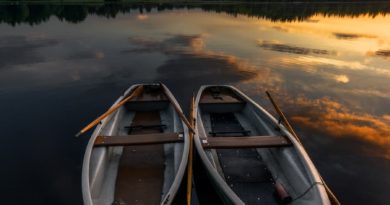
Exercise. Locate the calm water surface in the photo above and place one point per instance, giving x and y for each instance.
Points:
(61, 66)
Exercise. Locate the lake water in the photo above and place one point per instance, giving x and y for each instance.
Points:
(327, 65)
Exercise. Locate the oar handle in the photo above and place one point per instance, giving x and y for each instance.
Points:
(111, 110)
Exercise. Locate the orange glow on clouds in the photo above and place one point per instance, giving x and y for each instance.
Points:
(142, 17)
(338, 121)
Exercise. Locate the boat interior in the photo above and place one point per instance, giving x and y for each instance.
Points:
(248, 151)
(138, 152)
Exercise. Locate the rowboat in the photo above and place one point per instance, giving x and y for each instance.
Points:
(137, 154)
(249, 157)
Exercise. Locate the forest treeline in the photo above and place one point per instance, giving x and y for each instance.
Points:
(33, 14)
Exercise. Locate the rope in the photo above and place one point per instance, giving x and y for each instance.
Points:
(307, 190)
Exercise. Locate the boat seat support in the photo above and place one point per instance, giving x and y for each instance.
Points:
(245, 142)
(142, 139)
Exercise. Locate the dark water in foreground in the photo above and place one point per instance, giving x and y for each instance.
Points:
(327, 65)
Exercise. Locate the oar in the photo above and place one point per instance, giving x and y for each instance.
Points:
(283, 118)
(135, 93)
(192, 131)
(331, 195)
(190, 155)
(177, 109)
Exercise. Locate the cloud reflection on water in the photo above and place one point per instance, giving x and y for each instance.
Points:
(381, 53)
(280, 47)
(334, 92)
(192, 62)
(333, 119)
(19, 49)
(350, 36)
(339, 64)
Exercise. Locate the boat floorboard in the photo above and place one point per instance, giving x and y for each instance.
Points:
(141, 168)
(248, 176)
(225, 123)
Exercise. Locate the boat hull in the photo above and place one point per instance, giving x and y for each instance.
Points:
(103, 166)
(299, 174)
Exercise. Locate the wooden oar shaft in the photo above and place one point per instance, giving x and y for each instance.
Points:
(284, 119)
(190, 155)
(111, 110)
(177, 109)
(332, 198)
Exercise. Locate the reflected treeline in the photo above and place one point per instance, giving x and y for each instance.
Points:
(36, 13)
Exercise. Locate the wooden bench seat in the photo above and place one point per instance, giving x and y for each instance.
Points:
(221, 96)
(245, 142)
(150, 97)
(141, 139)
(225, 99)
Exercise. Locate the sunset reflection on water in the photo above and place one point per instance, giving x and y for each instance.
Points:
(327, 67)
(330, 74)
(342, 55)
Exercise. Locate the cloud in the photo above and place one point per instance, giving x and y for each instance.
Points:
(279, 28)
(280, 47)
(75, 75)
(324, 119)
(191, 47)
(340, 64)
(334, 119)
(142, 17)
(83, 55)
(365, 92)
(190, 64)
(354, 65)
(99, 55)
(381, 53)
(386, 117)
(351, 36)
(177, 44)
(19, 50)
(341, 78)
(201, 64)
